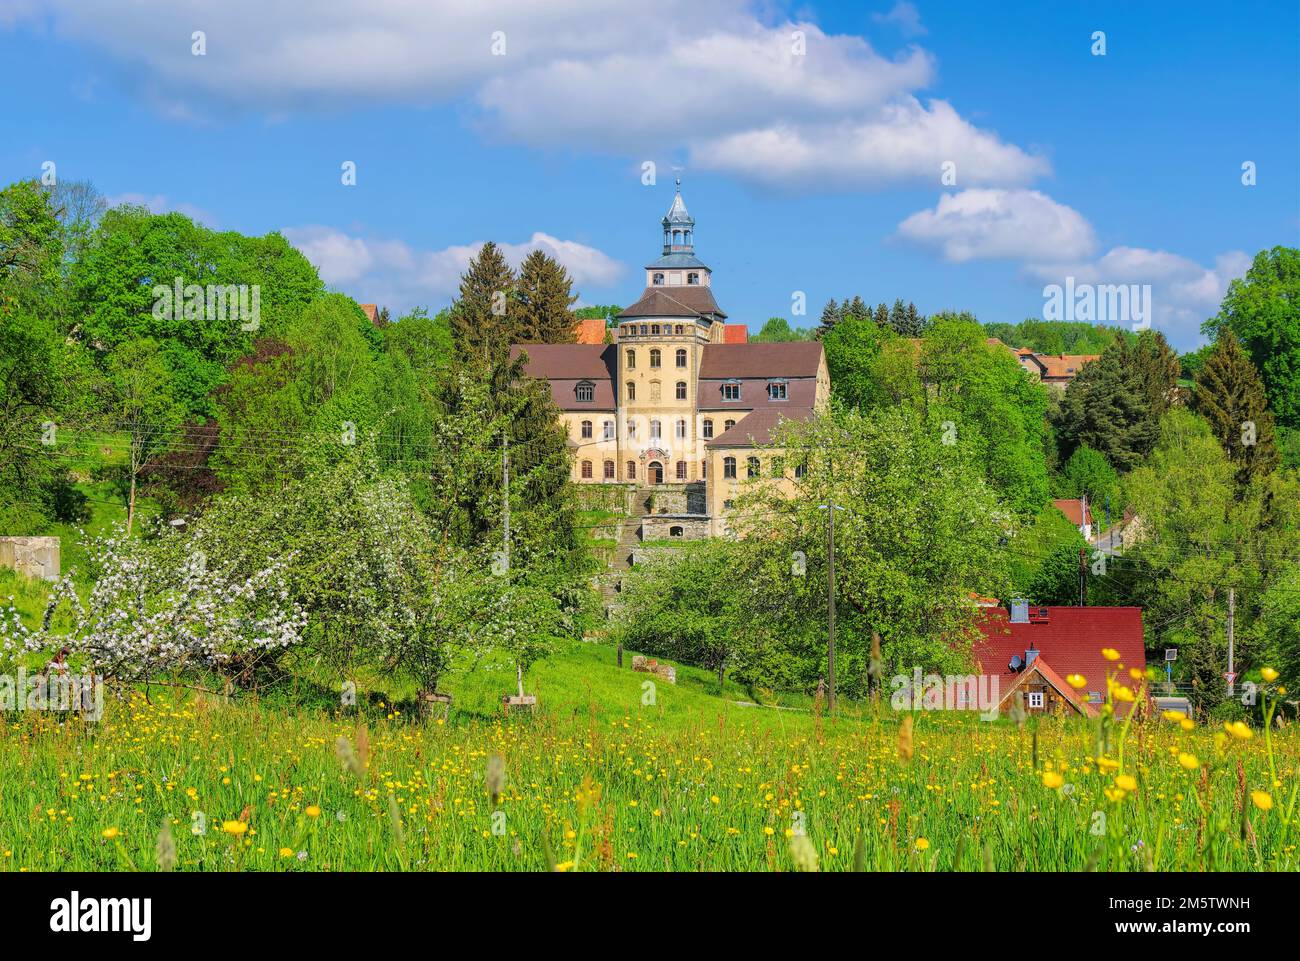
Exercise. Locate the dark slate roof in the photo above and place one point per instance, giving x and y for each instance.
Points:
(567, 365)
(678, 260)
(756, 428)
(690, 301)
(799, 392)
(721, 361)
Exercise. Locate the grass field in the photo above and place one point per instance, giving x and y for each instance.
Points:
(611, 775)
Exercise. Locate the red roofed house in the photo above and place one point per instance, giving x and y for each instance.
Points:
(1055, 370)
(1034, 649)
(735, 333)
(1077, 512)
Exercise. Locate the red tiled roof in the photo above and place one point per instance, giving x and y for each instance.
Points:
(590, 331)
(1064, 365)
(371, 311)
(1074, 511)
(735, 334)
(1044, 670)
(1068, 641)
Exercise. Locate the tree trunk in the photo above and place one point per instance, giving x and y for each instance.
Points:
(130, 507)
(519, 674)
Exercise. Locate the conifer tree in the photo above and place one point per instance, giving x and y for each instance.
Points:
(1230, 395)
(830, 317)
(482, 317)
(882, 316)
(546, 298)
(1155, 366)
(1106, 409)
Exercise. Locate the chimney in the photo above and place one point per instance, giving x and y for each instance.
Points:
(1019, 610)
(1031, 655)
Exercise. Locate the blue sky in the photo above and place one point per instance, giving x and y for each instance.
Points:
(815, 170)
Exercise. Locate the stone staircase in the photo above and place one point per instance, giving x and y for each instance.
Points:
(629, 539)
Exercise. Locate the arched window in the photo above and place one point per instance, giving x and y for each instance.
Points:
(586, 429)
(728, 424)
(678, 329)
(654, 429)
(609, 430)
(708, 429)
(654, 330)
(645, 329)
(658, 280)
(586, 470)
(655, 356)
(631, 430)
(630, 354)
(674, 532)
(681, 355)
(729, 467)
(753, 467)
(681, 430)
(681, 470)
(681, 390)
(631, 390)
(631, 470)
(692, 278)
(800, 471)
(586, 392)
(609, 470)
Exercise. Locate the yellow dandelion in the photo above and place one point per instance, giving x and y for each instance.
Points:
(1269, 674)
(1239, 729)
(286, 852)
(922, 844)
(1188, 761)
(1126, 781)
(110, 833)
(1076, 681)
(1052, 780)
(234, 827)
(1187, 724)
(1174, 715)
(313, 811)
(1262, 800)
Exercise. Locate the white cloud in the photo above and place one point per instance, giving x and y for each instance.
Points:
(1184, 293)
(1001, 225)
(741, 96)
(902, 141)
(386, 271)
(160, 204)
(905, 16)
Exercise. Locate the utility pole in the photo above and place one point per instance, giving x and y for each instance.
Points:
(1083, 575)
(1232, 612)
(505, 533)
(830, 607)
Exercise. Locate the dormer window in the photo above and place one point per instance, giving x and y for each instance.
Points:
(658, 280)
(586, 392)
(776, 390)
(731, 390)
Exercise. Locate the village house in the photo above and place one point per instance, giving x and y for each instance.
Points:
(1054, 370)
(680, 402)
(1034, 649)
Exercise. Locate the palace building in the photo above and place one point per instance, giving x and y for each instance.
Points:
(674, 402)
